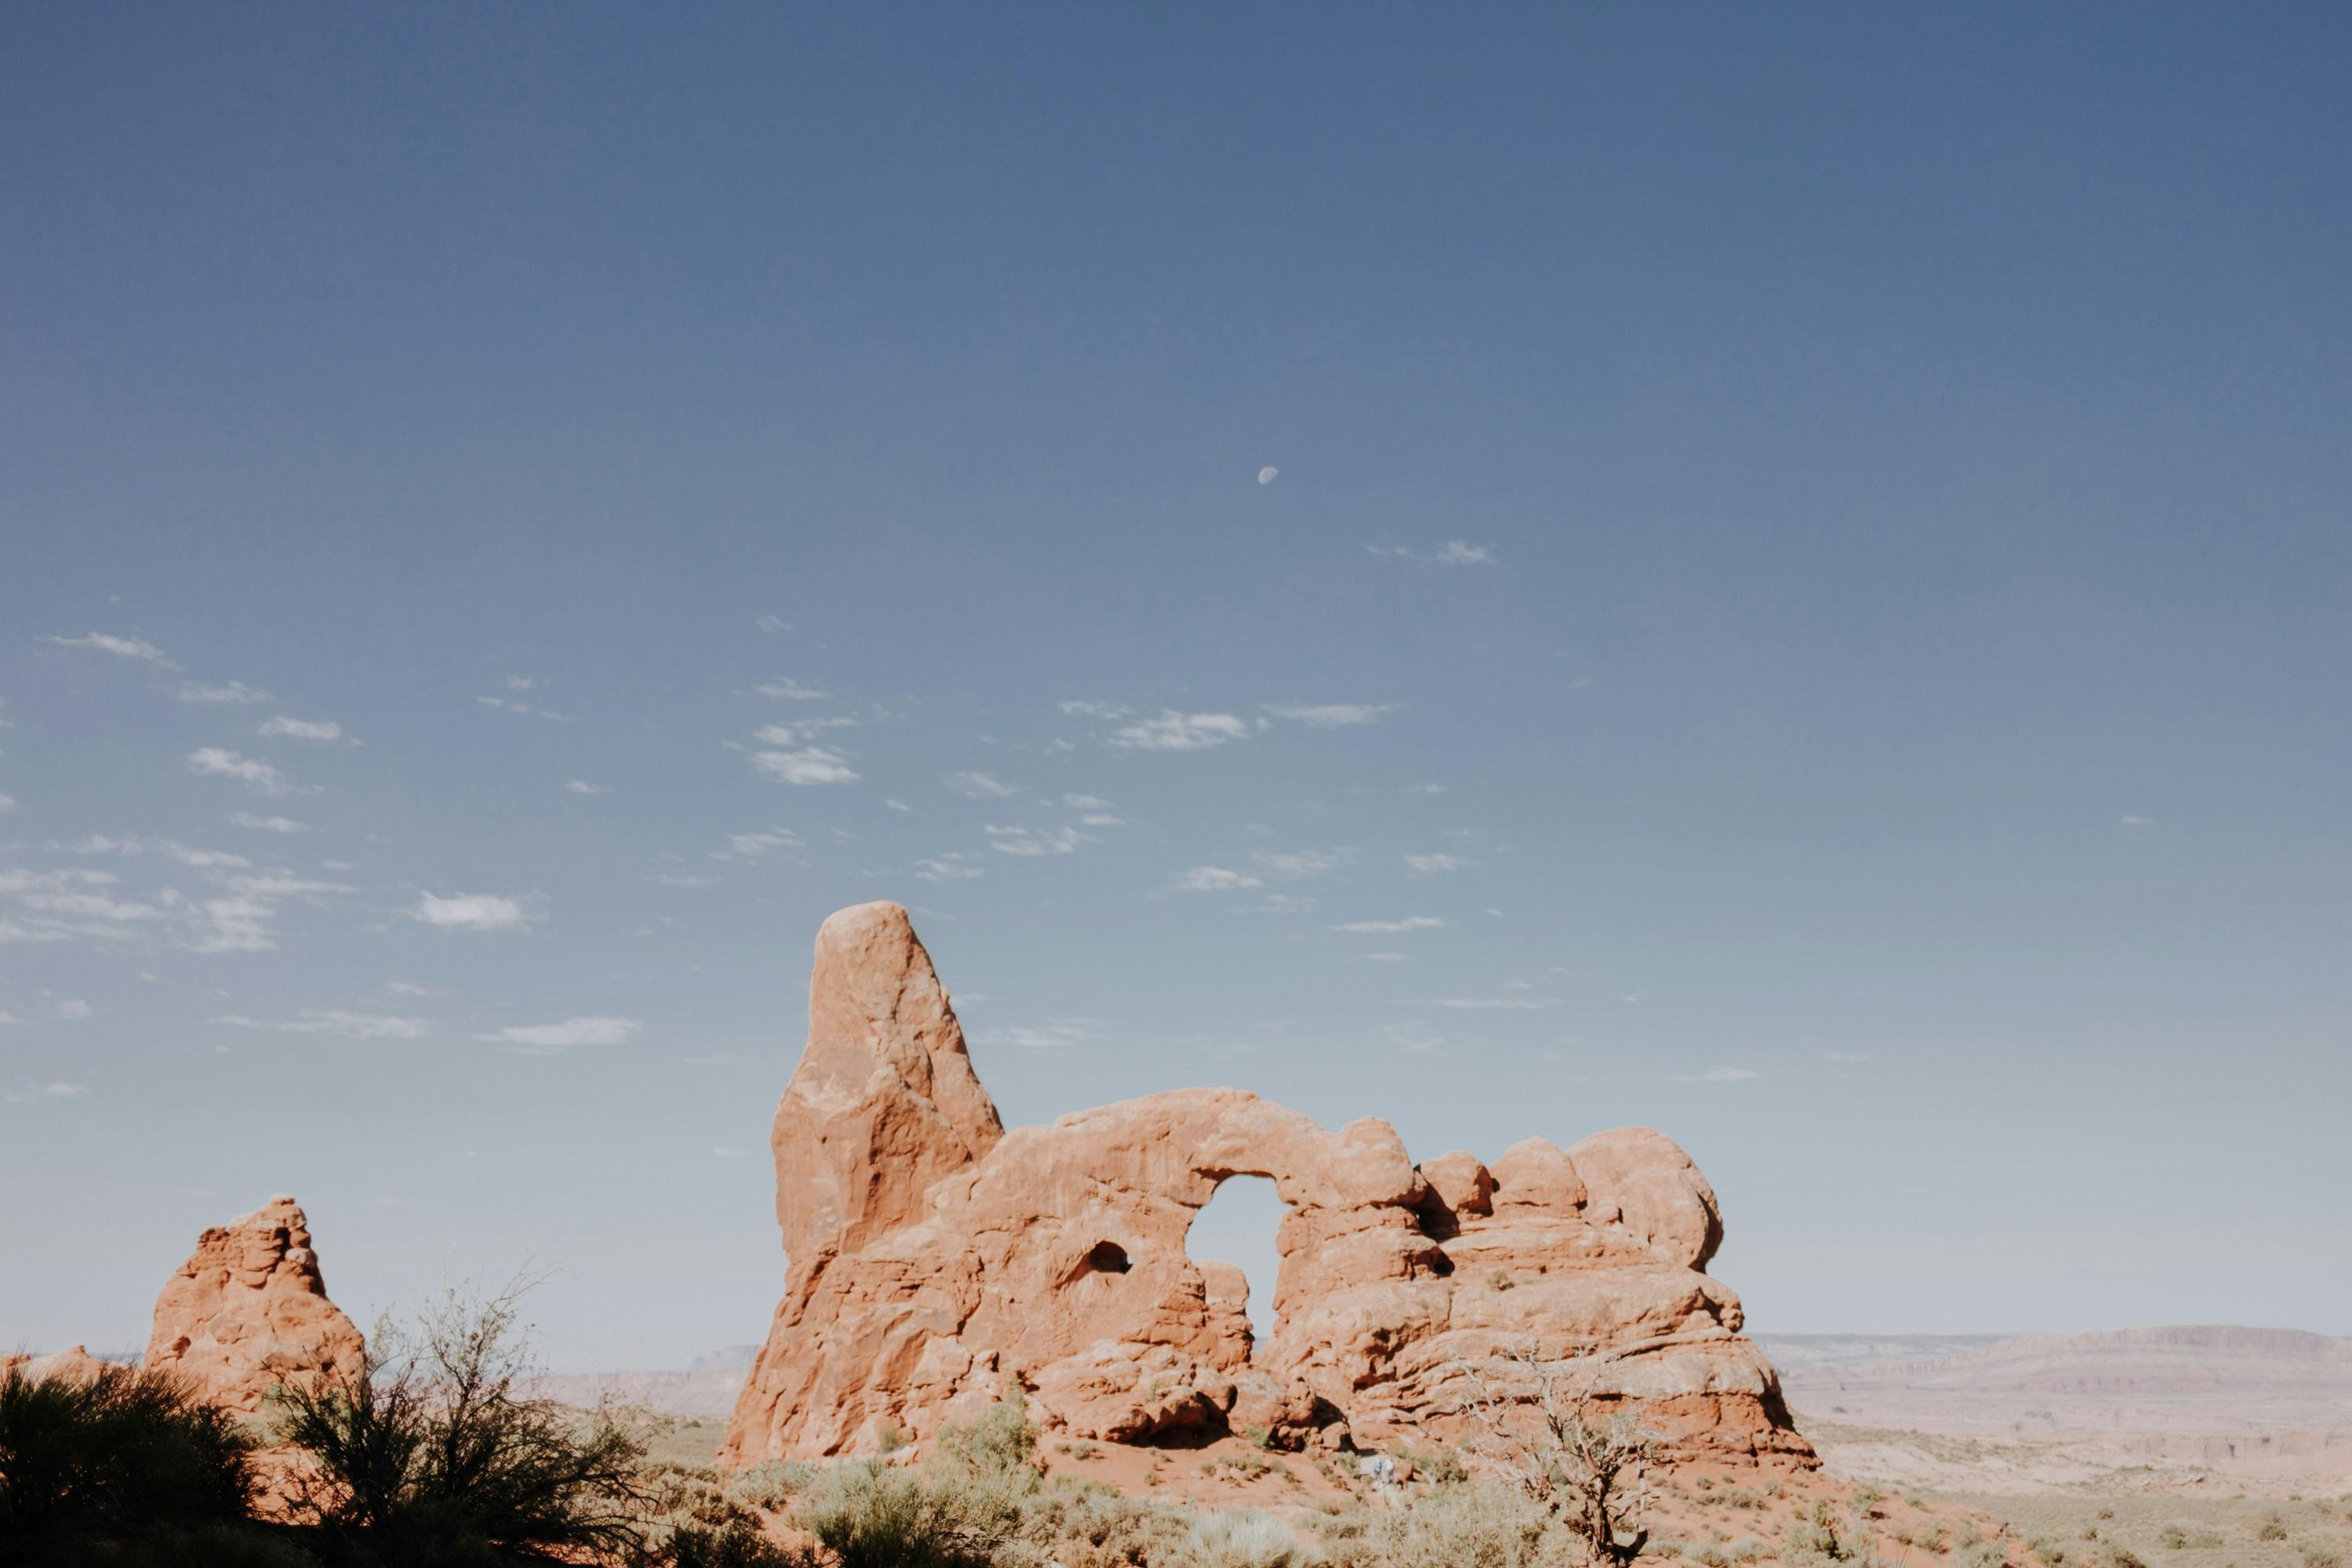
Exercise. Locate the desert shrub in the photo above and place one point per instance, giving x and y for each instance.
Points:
(2322, 1557)
(1821, 1537)
(2123, 1557)
(1092, 1526)
(1244, 1537)
(435, 1457)
(772, 1486)
(125, 1460)
(1440, 1466)
(1549, 1433)
(954, 1511)
(693, 1518)
(997, 1447)
(1458, 1526)
(2272, 1529)
(876, 1516)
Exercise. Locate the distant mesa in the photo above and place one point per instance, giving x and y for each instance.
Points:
(937, 1262)
(249, 1311)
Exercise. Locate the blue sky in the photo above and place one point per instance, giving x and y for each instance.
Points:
(1783, 576)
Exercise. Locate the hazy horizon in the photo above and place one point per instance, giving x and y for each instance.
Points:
(1781, 576)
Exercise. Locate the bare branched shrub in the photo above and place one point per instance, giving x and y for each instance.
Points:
(434, 1455)
(1547, 1436)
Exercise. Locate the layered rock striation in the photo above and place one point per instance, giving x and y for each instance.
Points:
(249, 1311)
(935, 1262)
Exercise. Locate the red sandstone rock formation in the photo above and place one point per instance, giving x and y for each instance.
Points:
(934, 1261)
(247, 1311)
(74, 1363)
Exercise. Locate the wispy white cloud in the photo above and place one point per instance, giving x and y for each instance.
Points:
(581, 786)
(1453, 553)
(1845, 1057)
(1334, 715)
(1080, 709)
(65, 1090)
(1302, 863)
(1286, 904)
(304, 729)
(1175, 731)
(1214, 879)
(757, 845)
(2135, 822)
(1715, 1075)
(71, 1010)
(339, 1022)
(251, 772)
(980, 786)
(808, 765)
(1415, 1039)
(187, 854)
(681, 879)
(224, 692)
(1430, 865)
(785, 686)
(1388, 928)
(471, 911)
(70, 905)
(1385, 957)
(1054, 1034)
(509, 705)
(7, 803)
(240, 921)
(124, 647)
(270, 823)
(1493, 1004)
(539, 1039)
(772, 624)
(1029, 841)
(955, 865)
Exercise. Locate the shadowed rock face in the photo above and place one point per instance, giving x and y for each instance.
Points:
(249, 1311)
(934, 1261)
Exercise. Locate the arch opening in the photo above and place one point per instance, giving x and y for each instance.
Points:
(1238, 1226)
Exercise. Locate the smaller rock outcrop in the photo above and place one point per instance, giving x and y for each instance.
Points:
(249, 1311)
(74, 1363)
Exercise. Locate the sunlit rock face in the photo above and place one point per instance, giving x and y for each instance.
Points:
(935, 1262)
(249, 1311)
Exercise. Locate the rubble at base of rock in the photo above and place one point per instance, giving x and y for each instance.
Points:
(937, 1262)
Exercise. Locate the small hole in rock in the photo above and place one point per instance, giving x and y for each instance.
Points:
(1108, 1258)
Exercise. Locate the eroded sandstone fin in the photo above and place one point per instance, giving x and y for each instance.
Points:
(249, 1310)
(885, 1100)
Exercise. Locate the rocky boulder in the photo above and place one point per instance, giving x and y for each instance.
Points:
(249, 1311)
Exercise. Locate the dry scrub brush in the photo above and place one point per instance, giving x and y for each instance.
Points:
(433, 1455)
(1546, 1437)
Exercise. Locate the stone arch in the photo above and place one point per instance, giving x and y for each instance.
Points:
(1239, 1228)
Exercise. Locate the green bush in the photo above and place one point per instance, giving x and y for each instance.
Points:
(130, 1462)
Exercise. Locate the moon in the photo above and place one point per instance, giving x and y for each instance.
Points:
(1266, 476)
